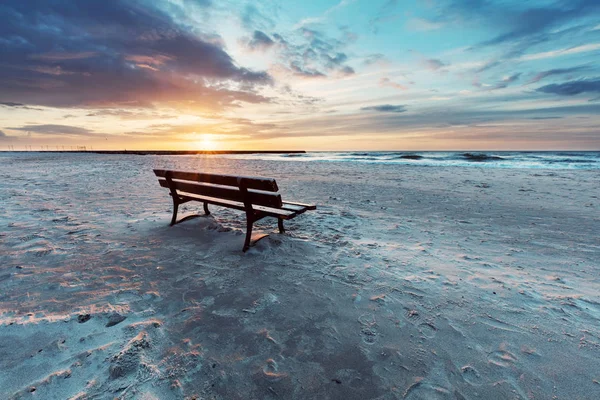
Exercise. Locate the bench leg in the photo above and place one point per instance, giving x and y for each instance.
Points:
(249, 223)
(280, 225)
(175, 208)
(206, 209)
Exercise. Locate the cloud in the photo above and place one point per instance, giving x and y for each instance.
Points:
(120, 52)
(562, 52)
(64, 56)
(346, 71)
(434, 64)
(386, 13)
(252, 18)
(17, 105)
(323, 17)
(518, 26)
(227, 126)
(507, 80)
(572, 88)
(423, 25)
(376, 58)
(260, 41)
(557, 71)
(127, 114)
(386, 82)
(488, 65)
(313, 54)
(447, 118)
(386, 108)
(305, 73)
(52, 129)
(503, 83)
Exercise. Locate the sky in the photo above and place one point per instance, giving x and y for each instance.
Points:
(305, 75)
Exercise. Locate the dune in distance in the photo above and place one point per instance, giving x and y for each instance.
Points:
(421, 275)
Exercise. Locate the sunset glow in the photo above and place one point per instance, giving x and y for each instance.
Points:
(207, 143)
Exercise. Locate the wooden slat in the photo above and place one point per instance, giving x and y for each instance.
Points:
(273, 212)
(306, 206)
(292, 207)
(267, 199)
(276, 212)
(213, 200)
(266, 184)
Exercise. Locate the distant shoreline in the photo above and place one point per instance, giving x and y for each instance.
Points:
(164, 152)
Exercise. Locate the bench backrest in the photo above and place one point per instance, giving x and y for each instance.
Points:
(258, 191)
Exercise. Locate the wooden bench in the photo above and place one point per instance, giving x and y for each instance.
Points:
(258, 197)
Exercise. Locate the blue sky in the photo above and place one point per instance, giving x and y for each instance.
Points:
(315, 75)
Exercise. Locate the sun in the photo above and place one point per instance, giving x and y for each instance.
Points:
(207, 142)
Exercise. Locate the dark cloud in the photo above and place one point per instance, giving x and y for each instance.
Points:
(17, 105)
(434, 64)
(11, 104)
(521, 24)
(313, 54)
(127, 114)
(298, 70)
(97, 53)
(558, 71)
(386, 108)
(346, 71)
(260, 41)
(504, 83)
(51, 129)
(507, 81)
(335, 60)
(512, 78)
(572, 88)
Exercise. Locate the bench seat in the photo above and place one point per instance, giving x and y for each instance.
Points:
(256, 196)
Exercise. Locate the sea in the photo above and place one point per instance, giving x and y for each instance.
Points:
(584, 160)
(499, 159)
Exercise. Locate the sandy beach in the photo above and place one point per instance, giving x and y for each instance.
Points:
(407, 282)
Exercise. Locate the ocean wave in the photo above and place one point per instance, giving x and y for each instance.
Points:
(570, 161)
(496, 159)
(410, 157)
(480, 157)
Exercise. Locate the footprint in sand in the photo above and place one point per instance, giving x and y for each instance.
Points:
(427, 329)
(369, 328)
(28, 238)
(42, 253)
(413, 316)
(369, 335)
(502, 358)
(424, 390)
(470, 375)
(270, 371)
